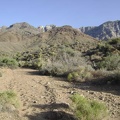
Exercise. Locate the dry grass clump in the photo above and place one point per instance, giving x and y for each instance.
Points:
(8, 98)
(85, 109)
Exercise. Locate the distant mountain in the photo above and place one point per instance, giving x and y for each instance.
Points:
(107, 30)
(17, 32)
(21, 31)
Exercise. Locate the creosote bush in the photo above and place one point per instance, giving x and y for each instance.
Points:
(85, 109)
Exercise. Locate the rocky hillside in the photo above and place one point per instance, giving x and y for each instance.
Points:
(17, 32)
(18, 36)
(107, 30)
(21, 31)
(23, 36)
(65, 35)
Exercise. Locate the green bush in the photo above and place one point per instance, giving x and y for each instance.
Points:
(52, 60)
(72, 76)
(88, 109)
(8, 62)
(9, 97)
(111, 62)
(114, 41)
(105, 47)
(82, 74)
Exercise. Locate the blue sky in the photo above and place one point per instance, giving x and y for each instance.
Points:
(77, 13)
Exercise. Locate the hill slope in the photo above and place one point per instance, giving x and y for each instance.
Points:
(18, 32)
(59, 50)
(65, 35)
(16, 37)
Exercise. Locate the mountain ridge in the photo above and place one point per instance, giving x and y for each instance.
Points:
(107, 30)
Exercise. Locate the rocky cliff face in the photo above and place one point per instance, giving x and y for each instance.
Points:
(107, 30)
(46, 28)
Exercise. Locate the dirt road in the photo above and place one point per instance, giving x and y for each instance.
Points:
(41, 94)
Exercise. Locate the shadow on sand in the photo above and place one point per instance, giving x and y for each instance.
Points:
(113, 89)
(51, 114)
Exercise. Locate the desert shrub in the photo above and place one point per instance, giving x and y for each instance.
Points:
(105, 56)
(8, 62)
(88, 109)
(105, 48)
(81, 74)
(9, 97)
(111, 62)
(30, 59)
(72, 76)
(61, 64)
(114, 41)
(21, 63)
(54, 69)
(70, 51)
(99, 73)
(52, 60)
